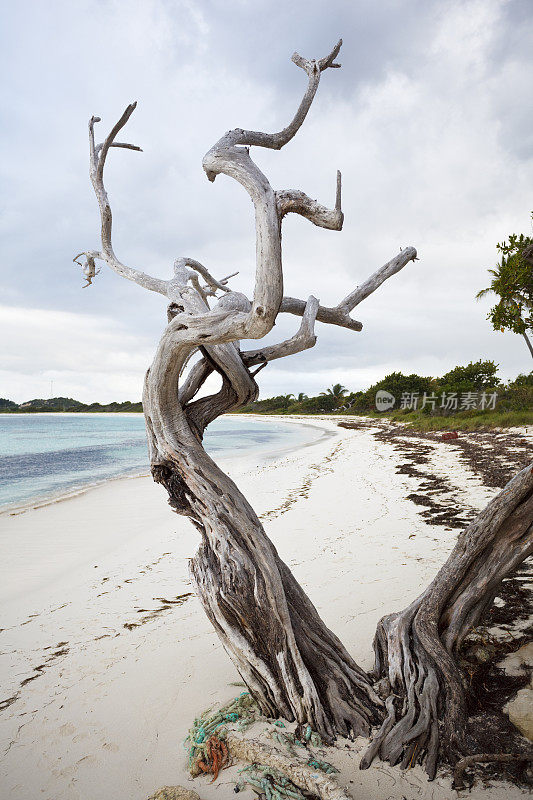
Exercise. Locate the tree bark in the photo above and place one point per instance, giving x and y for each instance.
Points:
(416, 649)
(293, 665)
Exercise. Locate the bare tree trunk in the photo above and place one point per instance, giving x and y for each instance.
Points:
(293, 665)
(415, 649)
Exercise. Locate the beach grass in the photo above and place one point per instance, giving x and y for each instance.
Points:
(464, 421)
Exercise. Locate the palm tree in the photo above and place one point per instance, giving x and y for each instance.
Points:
(301, 397)
(337, 391)
(512, 283)
(284, 400)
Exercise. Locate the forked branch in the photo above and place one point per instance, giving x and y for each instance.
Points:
(340, 314)
(296, 202)
(98, 155)
(302, 340)
(278, 140)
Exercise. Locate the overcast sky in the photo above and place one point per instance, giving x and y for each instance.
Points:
(429, 120)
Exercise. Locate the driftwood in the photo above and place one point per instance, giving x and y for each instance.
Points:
(484, 758)
(311, 780)
(293, 665)
(416, 649)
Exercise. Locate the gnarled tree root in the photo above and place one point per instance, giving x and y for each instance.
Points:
(484, 758)
(416, 649)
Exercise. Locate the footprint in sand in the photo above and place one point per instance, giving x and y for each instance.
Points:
(67, 729)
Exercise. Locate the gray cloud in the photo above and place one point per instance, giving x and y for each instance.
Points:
(427, 119)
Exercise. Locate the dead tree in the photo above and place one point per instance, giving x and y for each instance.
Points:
(293, 665)
(416, 649)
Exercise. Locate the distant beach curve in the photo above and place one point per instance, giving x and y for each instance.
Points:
(47, 456)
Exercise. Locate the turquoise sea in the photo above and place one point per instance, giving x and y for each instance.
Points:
(47, 455)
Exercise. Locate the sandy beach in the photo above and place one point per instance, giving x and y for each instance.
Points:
(107, 656)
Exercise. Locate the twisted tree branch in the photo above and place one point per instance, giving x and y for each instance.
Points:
(98, 155)
(340, 314)
(297, 202)
(276, 141)
(302, 340)
(228, 156)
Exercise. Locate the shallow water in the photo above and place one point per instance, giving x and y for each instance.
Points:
(46, 455)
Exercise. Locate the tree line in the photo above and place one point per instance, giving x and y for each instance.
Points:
(463, 389)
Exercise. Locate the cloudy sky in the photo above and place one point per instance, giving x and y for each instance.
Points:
(429, 120)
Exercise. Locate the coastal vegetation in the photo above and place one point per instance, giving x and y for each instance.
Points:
(513, 404)
(465, 397)
(512, 283)
(65, 404)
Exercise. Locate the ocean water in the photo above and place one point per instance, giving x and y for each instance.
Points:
(47, 455)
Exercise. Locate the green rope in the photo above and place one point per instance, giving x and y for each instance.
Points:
(323, 766)
(242, 710)
(272, 782)
(290, 742)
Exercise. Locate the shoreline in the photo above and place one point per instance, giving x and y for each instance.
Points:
(72, 413)
(42, 501)
(114, 664)
(67, 493)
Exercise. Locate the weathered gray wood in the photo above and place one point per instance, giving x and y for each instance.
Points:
(303, 339)
(340, 314)
(305, 777)
(415, 649)
(332, 316)
(380, 276)
(292, 663)
(293, 201)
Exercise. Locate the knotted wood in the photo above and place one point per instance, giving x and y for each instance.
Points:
(292, 663)
(416, 649)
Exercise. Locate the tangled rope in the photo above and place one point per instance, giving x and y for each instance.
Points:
(206, 740)
(211, 742)
(304, 737)
(273, 783)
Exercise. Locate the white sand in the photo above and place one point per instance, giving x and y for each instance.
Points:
(108, 707)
